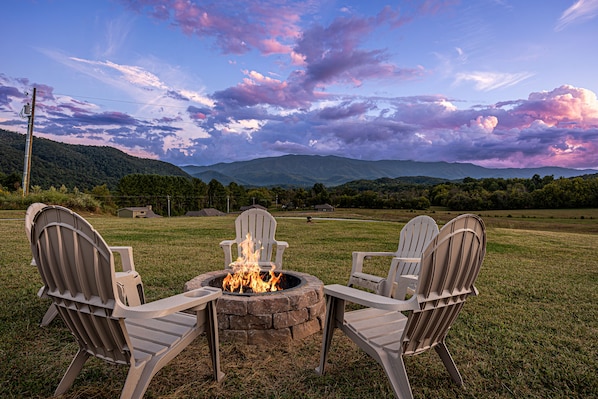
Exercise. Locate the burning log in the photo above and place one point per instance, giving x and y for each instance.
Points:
(247, 274)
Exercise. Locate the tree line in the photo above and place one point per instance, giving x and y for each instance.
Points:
(176, 195)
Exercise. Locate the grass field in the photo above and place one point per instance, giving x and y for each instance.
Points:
(532, 332)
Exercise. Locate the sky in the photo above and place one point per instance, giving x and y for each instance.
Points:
(496, 83)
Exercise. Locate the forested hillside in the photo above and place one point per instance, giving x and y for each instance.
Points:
(56, 164)
(107, 178)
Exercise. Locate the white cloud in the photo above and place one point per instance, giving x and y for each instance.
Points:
(197, 97)
(486, 81)
(116, 34)
(484, 124)
(240, 127)
(133, 74)
(582, 10)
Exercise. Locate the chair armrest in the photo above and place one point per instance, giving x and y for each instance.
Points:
(408, 260)
(402, 287)
(281, 244)
(162, 307)
(359, 257)
(368, 299)
(226, 246)
(126, 257)
(369, 277)
(368, 281)
(130, 288)
(280, 247)
(396, 262)
(227, 243)
(365, 280)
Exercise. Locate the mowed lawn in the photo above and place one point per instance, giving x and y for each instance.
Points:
(531, 333)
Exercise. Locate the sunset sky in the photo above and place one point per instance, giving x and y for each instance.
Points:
(497, 83)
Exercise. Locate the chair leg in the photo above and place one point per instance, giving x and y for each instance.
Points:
(450, 365)
(213, 341)
(138, 379)
(51, 313)
(329, 325)
(397, 375)
(72, 372)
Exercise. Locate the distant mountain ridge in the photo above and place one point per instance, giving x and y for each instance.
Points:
(85, 167)
(81, 166)
(306, 170)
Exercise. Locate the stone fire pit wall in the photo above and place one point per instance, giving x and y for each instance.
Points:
(270, 318)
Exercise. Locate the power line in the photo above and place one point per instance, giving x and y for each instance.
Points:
(120, 101)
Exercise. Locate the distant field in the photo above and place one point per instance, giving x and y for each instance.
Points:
(573, 220)
(531, 333)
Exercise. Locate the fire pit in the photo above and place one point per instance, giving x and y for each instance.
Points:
(264, 306)
(284, 281)
(292, 312)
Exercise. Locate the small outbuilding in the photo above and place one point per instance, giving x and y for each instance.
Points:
(324, 208)
(206, 212)
(137, 212)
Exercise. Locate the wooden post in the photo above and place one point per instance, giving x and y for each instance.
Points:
(28, 148)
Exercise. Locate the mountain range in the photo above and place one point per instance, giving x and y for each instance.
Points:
(54, 164)
(81, 166)
(306, 170)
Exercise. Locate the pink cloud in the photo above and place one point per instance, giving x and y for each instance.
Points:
(557, 127)
(332, 54)
(563, 104)
(235, 32)
(257, 89)
(272, 46)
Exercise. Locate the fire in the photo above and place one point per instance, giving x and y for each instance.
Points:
(247, 276)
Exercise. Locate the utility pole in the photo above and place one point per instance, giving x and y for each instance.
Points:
(30, 113)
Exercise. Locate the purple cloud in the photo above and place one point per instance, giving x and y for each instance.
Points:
(346, 110)
(257, 27)
(331, 54)
(324, 55)
(258, 89)
(7, 92)
(560, 125)
(104, 118)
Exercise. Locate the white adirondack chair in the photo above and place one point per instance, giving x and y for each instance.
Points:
(77, 269)
(261, 225)
(404, 265)
(449, 267)
(128, 280)
(32, 210)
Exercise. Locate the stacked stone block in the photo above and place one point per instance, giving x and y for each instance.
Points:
(276, 317)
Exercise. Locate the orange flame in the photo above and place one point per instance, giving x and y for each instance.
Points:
(246, 271)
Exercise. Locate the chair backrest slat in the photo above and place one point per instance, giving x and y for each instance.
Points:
(414, 237)
(449, 267)
(262, 227)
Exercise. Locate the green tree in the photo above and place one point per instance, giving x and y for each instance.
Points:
(217, 195)
(319, 195)
(199, 198)
(261, 196)
(166, 194)
(102, 194)
(238, 196)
